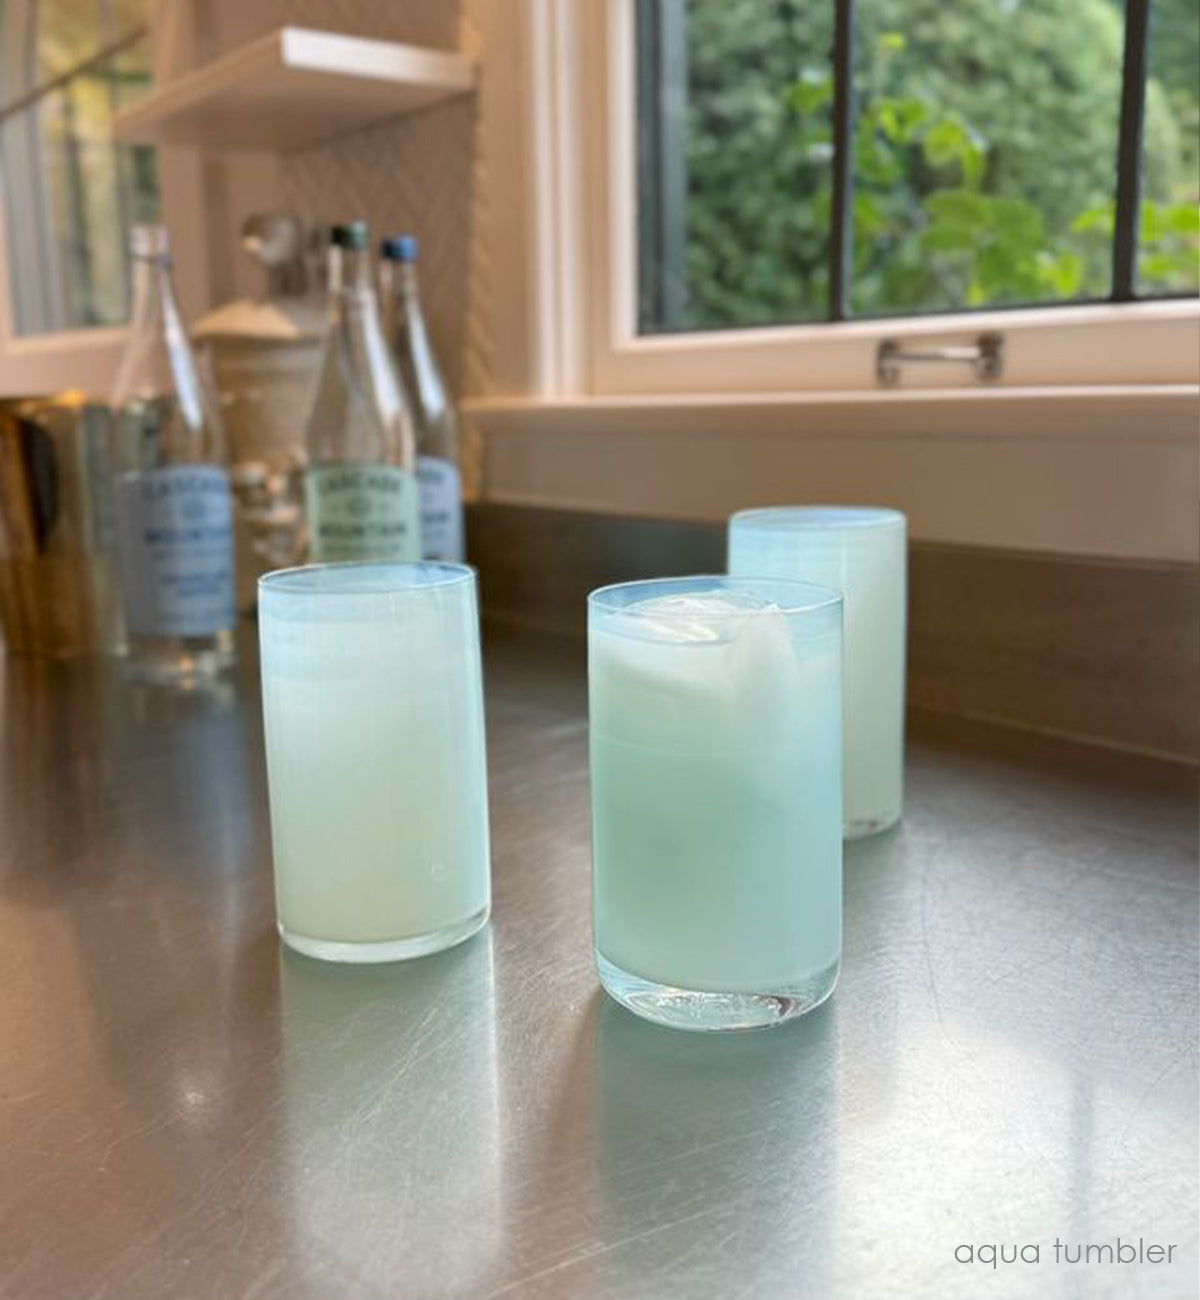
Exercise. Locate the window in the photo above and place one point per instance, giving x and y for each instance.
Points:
(70, 192)
(630, 373)
(804, 161)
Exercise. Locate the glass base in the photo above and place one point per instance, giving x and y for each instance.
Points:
(421, 945)
(709, 1012)
(864, 826)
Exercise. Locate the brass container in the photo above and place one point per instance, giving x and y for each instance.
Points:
(59, 592)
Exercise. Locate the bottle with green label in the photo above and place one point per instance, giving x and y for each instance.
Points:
(361, 486)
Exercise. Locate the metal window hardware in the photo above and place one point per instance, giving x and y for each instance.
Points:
(986, 354)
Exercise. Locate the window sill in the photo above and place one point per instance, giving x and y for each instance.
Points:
(1079, 471)
(1163, 412)
(84, 360)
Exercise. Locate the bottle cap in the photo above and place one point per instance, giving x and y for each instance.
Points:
(399, 248)
(352, 234)
(149, 241)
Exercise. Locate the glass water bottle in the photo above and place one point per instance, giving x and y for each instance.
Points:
(173, 504)
(361, 486)
(436, 421)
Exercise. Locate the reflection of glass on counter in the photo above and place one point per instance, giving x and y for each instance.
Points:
(392, 1136)
(693, 1135)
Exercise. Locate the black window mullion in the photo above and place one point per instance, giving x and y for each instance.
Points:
(662, 162)
(841, 244)
(1129, 151)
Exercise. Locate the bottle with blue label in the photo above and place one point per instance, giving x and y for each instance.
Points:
(174, 517)
(437, 424)
(361, 485)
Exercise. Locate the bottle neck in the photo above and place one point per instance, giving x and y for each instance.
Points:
(153, 292)
(159, 357)
(349, 274)
(402, 294)
(407, 286)
(358, 372)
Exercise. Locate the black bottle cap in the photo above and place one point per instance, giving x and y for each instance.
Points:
(351, 234)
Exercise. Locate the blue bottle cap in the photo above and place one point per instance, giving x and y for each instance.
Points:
(399, 248)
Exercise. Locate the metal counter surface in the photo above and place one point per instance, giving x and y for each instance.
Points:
(186, 1110)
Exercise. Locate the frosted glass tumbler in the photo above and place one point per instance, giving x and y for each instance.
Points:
(373, 707)
(716, 762)
(861, 552)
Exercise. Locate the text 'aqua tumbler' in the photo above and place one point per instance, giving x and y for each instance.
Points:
(716, 763)
(373, 709)
(860, 551)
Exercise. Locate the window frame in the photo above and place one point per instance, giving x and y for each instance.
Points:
(575, 289)
(86, 359)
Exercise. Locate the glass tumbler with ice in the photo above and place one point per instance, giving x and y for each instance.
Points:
(715, 712)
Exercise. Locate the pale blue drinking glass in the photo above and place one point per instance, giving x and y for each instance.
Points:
(716, 766)
(373, 711)
(861, 552)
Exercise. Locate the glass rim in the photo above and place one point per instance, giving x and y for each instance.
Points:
(818, 518)
(818, 596)
(308, 579)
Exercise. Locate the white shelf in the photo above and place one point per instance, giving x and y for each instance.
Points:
(294, 88)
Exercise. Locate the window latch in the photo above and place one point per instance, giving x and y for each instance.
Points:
(986, 355)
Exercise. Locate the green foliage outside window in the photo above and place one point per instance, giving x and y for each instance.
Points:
(984, 155)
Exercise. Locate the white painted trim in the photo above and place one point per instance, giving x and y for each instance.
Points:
(1157, 413)
(560, 194)
(528, 96)
(607, 139)
(508, 315)
(1134, 343)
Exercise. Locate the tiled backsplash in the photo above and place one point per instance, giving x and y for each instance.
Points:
(1101, 650)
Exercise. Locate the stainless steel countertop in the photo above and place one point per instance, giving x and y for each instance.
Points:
(188, 1111)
